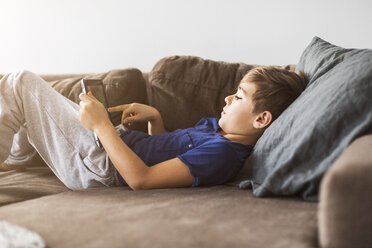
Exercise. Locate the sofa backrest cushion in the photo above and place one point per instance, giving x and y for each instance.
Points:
(335, 109)
(122, 86)
(186, 88)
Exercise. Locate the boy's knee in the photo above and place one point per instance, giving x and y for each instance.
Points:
(24, 77)
(21, 74)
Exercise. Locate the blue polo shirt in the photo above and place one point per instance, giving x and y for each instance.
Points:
(211, 158)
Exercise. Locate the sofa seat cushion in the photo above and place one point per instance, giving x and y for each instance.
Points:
(219, 216)
(30, 183)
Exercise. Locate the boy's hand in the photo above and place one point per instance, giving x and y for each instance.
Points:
(136, 112)
(92, 113)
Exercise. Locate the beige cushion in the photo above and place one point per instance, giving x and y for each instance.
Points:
(21, 185)
(219, 216)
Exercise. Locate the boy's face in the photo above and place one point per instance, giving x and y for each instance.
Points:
(237, 117)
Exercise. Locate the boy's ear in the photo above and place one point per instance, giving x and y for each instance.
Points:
(262, 120)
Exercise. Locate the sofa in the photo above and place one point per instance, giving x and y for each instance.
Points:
(184, 89)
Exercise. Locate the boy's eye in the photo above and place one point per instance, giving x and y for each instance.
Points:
(237, 98)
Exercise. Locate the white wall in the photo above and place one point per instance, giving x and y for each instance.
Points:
(72, 36)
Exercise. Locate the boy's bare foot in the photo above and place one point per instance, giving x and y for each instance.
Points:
(6, 167)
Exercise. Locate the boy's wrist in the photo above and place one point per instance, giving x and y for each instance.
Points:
(104, 124)
(156, 116)
(157, 120)
(156, 125)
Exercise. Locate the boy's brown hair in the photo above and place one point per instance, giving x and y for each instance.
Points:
(276, 88)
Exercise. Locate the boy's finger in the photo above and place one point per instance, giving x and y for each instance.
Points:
(125, 115)
(83, 96)
(114, 109)
(117, 108)
(90, 94)
(129, 120)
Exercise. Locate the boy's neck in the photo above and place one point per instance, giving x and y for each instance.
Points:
(244, 139)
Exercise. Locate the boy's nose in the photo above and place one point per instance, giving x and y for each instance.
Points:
(228, 99)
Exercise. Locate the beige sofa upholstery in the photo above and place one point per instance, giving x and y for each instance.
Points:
(219, 216)
(345, 218)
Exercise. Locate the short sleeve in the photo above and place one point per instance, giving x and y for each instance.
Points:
(212, 163)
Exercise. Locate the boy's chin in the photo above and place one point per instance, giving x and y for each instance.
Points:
(221, 122)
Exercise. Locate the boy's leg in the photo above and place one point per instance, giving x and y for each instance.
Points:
(53, 128)
(22, 153)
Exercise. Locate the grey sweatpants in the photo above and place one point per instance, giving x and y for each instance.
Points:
(32, 110)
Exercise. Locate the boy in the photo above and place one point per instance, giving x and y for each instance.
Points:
(210, 153)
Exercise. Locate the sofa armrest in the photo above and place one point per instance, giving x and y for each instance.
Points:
(345, 207)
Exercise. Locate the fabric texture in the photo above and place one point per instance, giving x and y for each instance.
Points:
(14, 236)
(211, 158)
(345, 203)
(119, 217)
(22, 152)
(22, 185)
(297, 149)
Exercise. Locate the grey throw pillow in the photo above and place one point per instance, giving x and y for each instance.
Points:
(336, 108)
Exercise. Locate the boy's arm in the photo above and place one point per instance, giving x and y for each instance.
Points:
(156, 126)
(167, 174)
(137, 112)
